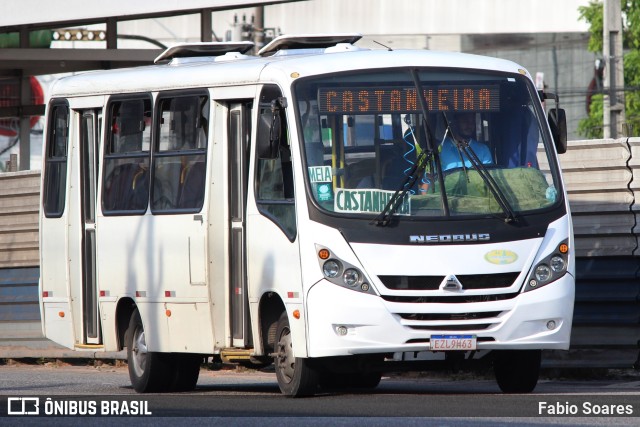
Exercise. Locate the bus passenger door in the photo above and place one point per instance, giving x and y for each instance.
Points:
(89, 131)
(239, 133)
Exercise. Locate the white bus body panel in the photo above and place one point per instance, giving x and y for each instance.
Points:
(60, 240)
(374, 325)
(373, 328)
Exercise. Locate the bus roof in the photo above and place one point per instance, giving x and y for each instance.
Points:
(234, 68)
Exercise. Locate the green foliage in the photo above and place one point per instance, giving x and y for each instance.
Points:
(591, 127)
(593, 14)
(631, 11)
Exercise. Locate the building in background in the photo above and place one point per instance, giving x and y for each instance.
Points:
(544, 36)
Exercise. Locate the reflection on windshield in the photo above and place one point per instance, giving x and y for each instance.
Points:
(364, 133)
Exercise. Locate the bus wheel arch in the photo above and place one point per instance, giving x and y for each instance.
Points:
(124, 310)
(270, 309)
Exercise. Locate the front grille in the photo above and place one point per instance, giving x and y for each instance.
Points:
(428, 340)
(449, 316)
(432, 283)
(412, 283)
(487, 281)
(453, 299)
(473, 327)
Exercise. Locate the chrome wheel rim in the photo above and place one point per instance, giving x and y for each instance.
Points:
(285, 358)
(139, 352)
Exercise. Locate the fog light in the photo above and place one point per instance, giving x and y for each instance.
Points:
(551, 325)
(342, 330)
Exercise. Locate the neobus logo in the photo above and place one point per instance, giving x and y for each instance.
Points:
(449, 238)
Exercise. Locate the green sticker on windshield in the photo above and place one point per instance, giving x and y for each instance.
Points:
(324, 192)
(320, 174)
(368, 200)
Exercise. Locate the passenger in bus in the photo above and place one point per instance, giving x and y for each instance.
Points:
(463, 125)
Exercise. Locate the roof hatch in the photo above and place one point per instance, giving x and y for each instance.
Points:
(191, 50)
(308, 41)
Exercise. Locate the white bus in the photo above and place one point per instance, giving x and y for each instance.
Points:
(336, 211)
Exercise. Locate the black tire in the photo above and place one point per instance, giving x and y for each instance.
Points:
(296, 377)
(149, 372)
(517, 371)
(186, 370)
(369, 380)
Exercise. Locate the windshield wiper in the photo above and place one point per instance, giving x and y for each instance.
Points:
(398, 197)
(421, 162)
(477, 164)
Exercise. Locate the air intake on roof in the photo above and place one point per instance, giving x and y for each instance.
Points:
(190, 50)
(308, 41)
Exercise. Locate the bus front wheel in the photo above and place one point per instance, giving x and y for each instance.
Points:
(147, 370)
(517, 371)
(296, 377)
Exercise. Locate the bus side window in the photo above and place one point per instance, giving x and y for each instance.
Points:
(126, 158)
(55, 181)
(274, 177)
(180, 154)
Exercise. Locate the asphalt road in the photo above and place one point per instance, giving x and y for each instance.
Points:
(229, 397)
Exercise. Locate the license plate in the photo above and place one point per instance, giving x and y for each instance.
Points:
(453, 342)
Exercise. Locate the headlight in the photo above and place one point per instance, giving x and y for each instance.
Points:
(549, 269)
(342, 273)
(331, 268)
(543, 273)
(351, 277)
(557, 263)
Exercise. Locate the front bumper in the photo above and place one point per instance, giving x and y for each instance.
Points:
(374, 325)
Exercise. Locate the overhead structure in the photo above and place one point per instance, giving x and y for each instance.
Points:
(26, 31)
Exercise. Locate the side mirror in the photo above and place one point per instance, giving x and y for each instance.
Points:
(270, 129)
(558, 123)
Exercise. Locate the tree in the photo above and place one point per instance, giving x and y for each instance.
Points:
(591, 127)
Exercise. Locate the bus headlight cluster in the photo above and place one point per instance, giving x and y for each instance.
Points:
(333, 269)
(549, 269)
(342, 273)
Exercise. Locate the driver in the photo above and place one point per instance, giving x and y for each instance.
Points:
(464, 128)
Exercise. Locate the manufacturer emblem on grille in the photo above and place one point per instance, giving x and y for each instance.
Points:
(451, 284)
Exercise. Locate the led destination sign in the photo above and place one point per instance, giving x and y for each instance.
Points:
(385, 100)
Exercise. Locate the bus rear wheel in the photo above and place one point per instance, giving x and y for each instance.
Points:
(186, 371)
(517, 371)
(296, 377)
(149, 372)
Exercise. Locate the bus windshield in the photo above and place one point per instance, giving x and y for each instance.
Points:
(477, 136)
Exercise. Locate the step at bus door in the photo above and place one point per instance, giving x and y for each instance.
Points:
(89, 131)
(239, 140)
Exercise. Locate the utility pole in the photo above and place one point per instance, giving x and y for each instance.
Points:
(259, 28)
(25, 121)
(613, 103)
